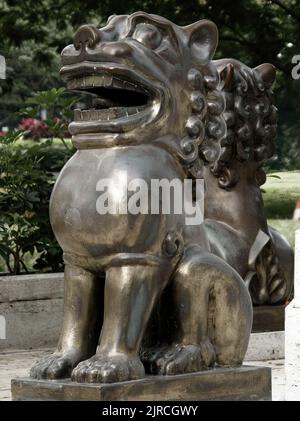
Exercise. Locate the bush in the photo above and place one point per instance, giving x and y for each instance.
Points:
(27, 178)
(27, 175)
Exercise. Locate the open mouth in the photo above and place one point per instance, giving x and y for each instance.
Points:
(111, 102)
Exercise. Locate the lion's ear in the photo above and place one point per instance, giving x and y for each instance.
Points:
(267, 72)
(202, 39)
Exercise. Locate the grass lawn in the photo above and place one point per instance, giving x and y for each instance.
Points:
(287, 227)
(55, 142)
(280, 196)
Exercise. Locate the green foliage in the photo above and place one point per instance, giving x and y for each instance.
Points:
(58, 104)
(26, 181)
(24, 188)
(289, 145)
(24, 76)
(27, 175)
(253, 31)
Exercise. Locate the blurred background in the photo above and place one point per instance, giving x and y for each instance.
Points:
(35, 109)
(253, 31)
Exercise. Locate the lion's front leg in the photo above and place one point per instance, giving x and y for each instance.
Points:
(130, 295)
(81, 325)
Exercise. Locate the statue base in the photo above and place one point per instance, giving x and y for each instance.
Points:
(222, 384)
(268, 318)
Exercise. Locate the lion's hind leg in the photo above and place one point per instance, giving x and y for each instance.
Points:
(212, 312)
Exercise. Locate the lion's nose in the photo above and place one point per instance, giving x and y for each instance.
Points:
(87, 35)
(117, 49)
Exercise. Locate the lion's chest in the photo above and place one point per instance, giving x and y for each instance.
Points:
(91, 205)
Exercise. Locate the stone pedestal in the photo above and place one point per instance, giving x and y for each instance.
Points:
(268, 318)
(292, 334)
(244, 383)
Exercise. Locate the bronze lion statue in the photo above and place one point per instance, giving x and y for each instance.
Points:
(145, 286)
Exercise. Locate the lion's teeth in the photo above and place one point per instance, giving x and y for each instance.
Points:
(103, 80)
(107, 81)
(117, 83)
(77, 114)
(106, 114)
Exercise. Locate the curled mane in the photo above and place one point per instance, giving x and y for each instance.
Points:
(207, 111)
(251, 119)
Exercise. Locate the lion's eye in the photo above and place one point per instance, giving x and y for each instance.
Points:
(148, 35)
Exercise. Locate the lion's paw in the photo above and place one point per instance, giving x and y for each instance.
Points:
(55, 366)
(108, 369)
(180, 359)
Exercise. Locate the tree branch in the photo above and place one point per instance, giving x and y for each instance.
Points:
(286, 9)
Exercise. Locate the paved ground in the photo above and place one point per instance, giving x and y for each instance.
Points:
(278, 378)
(18, 363)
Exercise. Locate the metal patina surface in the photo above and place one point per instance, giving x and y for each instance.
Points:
(235, 220)
(157, 292)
